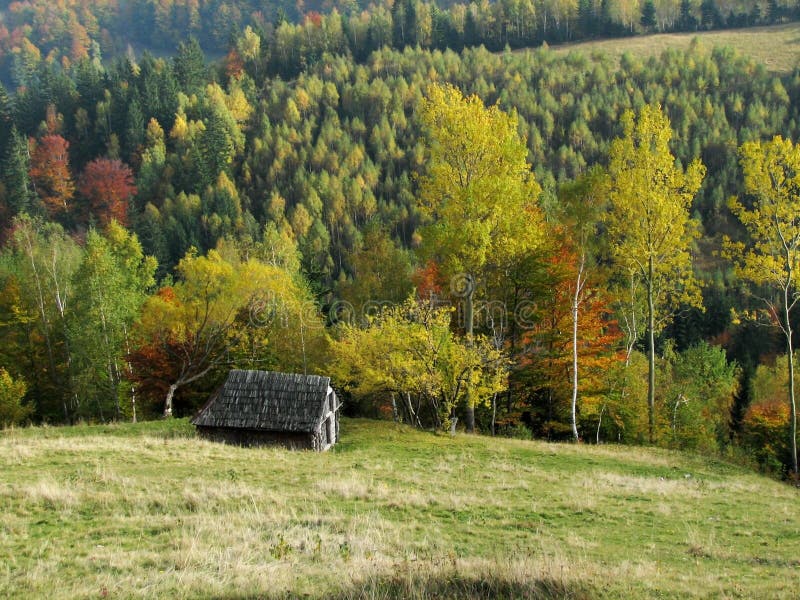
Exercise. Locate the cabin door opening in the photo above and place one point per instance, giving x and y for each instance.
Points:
(330, 433)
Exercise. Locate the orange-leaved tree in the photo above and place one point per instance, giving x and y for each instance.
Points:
(583, 205)
(50, 173)
(550, 351)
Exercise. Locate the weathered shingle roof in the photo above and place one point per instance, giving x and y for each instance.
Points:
(267, 401)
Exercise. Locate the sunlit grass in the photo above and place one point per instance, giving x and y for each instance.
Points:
(150, 511)
(777, 47)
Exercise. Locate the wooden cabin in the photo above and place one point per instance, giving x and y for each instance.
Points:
(254, 408)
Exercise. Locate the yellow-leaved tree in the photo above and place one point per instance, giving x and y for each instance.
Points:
(772, 258)
(478, 194)
(225, 311)
(410, 350)
(650, 227)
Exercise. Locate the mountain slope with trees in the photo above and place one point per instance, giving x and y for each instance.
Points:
(136, 195)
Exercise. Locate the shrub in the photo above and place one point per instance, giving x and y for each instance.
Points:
(518, 431)
(765, 431)
(12, 410)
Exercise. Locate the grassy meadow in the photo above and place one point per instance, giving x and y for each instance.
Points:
(778, 46)
(150, 511)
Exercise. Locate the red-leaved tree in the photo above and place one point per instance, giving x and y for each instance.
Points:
(107, 186)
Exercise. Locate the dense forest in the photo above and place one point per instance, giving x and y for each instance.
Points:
(455, 235)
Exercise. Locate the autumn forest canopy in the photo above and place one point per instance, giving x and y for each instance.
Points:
(460, 235)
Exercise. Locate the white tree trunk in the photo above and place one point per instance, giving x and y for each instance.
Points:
(651, 356)
(576, 303)
(792, 403)
(494, 412)
(469, 316)
(599, 424)
(168, 403)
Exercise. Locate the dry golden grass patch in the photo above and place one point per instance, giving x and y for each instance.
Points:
(629, 455)
(353, 486)
(646, 486)
(213, 496)
(51, 494)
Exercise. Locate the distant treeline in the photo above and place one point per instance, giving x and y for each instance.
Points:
(73, 30)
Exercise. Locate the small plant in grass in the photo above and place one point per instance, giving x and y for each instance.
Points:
(281, 549)
(345, 551)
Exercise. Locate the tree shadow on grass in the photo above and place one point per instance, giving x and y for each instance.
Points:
(441, 585)
(463, 587)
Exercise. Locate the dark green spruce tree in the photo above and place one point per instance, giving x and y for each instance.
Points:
(710, 17)
(687, 21)
(16, 164)
(648, 19)
(6, 119)
(216, 150)
(190, 66)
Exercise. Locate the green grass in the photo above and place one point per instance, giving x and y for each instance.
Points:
(150, 511)
(778, 47)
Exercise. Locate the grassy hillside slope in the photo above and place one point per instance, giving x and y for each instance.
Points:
(150, 511)
(778, 47)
